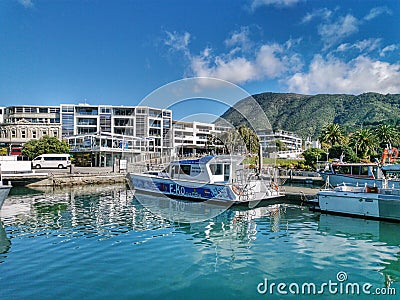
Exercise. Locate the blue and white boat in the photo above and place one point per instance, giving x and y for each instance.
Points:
(217, 178)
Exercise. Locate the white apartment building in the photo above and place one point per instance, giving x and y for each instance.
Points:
(292, 141)
(192, 138)
(99, 133)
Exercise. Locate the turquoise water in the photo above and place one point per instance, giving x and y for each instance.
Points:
(101, 243)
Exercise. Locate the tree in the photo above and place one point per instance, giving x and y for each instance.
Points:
(364, 142)
(313, 155)
(332, 134)
(45, 145)
(337, 151)
(280, 146)
(250, 138)
(387, 135)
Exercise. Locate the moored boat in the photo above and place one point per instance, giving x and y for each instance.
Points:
(216, 178)
(363, 201)
(371, 174)
(4, 190)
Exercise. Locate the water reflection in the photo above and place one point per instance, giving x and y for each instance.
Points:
(99, 211)
(376, 237)
(5, 243)
(265, 239)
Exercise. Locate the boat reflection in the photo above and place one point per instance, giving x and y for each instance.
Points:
(5, 243)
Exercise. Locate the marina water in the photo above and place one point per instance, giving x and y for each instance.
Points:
(102, 243)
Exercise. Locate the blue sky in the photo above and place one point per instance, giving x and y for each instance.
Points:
(117, 52)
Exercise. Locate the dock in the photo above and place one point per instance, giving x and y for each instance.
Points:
(299, 193)
(66, 177)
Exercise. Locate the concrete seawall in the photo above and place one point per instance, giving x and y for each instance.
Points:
(79, 179)
(67, 177)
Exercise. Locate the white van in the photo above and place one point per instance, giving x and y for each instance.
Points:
(51, 161)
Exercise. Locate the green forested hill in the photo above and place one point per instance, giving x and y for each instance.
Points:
(306, 114)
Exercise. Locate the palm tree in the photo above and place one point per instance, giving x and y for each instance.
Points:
(365, 142)
(249, 138)
(387, 135)
(332, 134)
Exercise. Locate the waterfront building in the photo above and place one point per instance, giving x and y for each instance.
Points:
(97, 134)
(292, 141)
(20, 124)
(194, 138)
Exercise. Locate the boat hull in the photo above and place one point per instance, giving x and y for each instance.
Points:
(367, 205)
(4, 190)
(196, 191)
(181, 189)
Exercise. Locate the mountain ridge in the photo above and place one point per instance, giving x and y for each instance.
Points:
(306, 114)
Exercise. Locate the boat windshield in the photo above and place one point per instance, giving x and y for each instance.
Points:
(356, 170)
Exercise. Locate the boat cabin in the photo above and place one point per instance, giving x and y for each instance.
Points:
(208, 169)
(391, 171)
(358, 170)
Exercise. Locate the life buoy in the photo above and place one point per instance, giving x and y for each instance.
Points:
(385, 155)
(394, 154)
(274, 186)
(237, 190)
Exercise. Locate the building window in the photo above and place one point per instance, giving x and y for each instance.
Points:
(13, 133)
(86, 110)
(44, 132)
(55, 133)
(67, 109)
(105, 123)
(141, 111)
(54, 110)
(34, 134)
(67, 124)
(30, 110)
(105, 110)
(43, 110)
(23, 133)
(124, 111)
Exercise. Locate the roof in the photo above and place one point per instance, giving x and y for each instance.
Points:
(214, 158)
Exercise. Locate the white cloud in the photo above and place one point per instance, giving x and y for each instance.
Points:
(367, 45)
(270, 61)
(375, 12)
(360, 75)
(236, 70)
(257, 3)
(323, 13)
(333, 32)
(389, 48)
(240, 38)
(244, 62)
(26, 3)
(177, 41)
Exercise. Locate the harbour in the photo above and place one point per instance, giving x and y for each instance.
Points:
(103, 241)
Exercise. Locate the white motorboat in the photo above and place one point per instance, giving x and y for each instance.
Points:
(364, 201)
(217, 178)
(4, 190)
